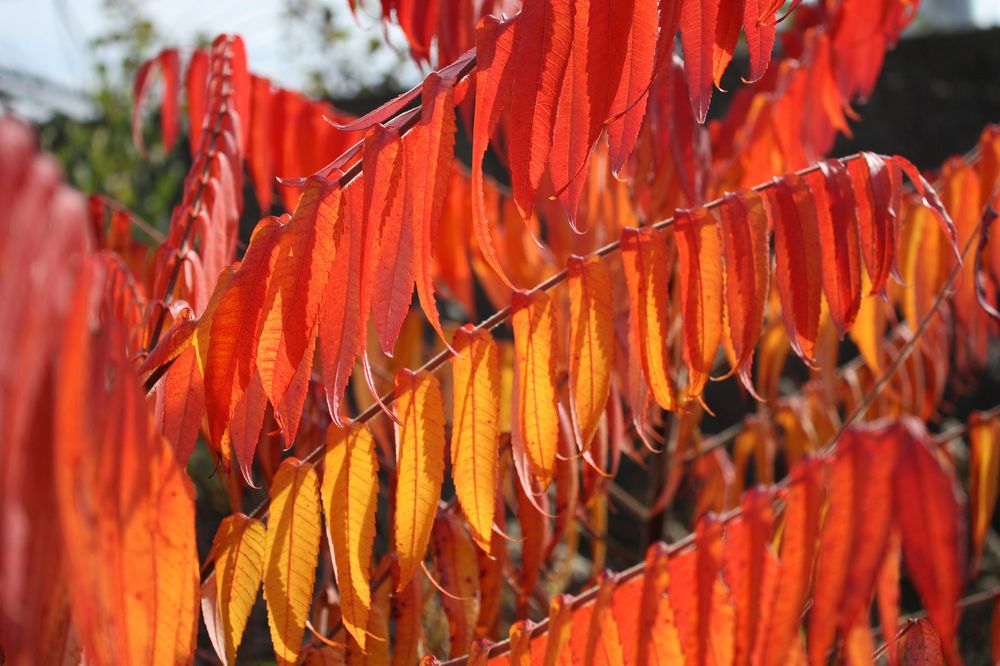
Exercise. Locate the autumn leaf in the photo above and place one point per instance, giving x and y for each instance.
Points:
(476, 429)
(743, 221)
(419, 467)
(699, 256)
(984, 469)
(239, 564)
(291, 549)
(537, 421)
(646, 260)
(930, 510)
(591, 342)
(303, 254)
(457, 569)
(797, 262)
(349, 494)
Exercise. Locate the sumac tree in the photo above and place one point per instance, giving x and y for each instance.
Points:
(430, 481)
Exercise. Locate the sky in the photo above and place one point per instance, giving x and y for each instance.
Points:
(48, 38)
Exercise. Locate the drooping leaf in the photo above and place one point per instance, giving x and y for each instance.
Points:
(647, 264)
(799, 535)
(698, 21)
(984, 470)
(557, 649)
(921, 646)
(854, 535)
(592, 345)
(476, 429)
(302, 258)
(349, 495)
(239, 567)
(759, 29)
(407, 610)
(699, 256)
(537, 418)
(797, 262)
(838, 240)
(429, 155)
(457, 570)
(493, 81)
(230, 361)
(870, 178)
(930, 510)
(419, 467)
(168, 63)
(747, 271)
(629, 106)
(291, 550)
(540, 52)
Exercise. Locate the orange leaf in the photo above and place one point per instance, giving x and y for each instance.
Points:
(560, 626)
(429, 155)
(595, 638)
(419, 467)
(407, 610)
(457, 569)
(855, 533)
(839, 243)
(803, 502)
(537, 423)
(699, 255)
(239, 567)
(629, 106)
(230, 361)
(797, 262)
(747, 263)
(291, 550)
(592, 343)
(493, 80)
(301, 265)
(984, 468)
(476, 429)
(349, 494)
(647, 263)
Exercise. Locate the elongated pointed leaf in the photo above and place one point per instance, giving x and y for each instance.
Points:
(747, 272)
(537, 418)
(984, 442)
(419, 467)
(301, 267)
(699, 255)
(647, 264)
(349, 494)
(476, 429)
(592, 343)
(457, 569)
(291, 550)
(239, 567)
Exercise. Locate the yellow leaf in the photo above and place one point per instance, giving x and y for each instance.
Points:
(984, 439)
(350, 495)
(291, 550)
(592, 342)
(419, 466)
(537, 418)
(239, 566)
(476, 429)
(377, 653)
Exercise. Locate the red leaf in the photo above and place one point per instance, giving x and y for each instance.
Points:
(540, 49)
(797, 262)
(759, 29)
(629, 106)
(493, 80)
(168, 63)
(727, 30)
(839, 243)
(197, 92)
(931, 513)
(261, 157)
(430, 153)
(748, 270)
(698, 20)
